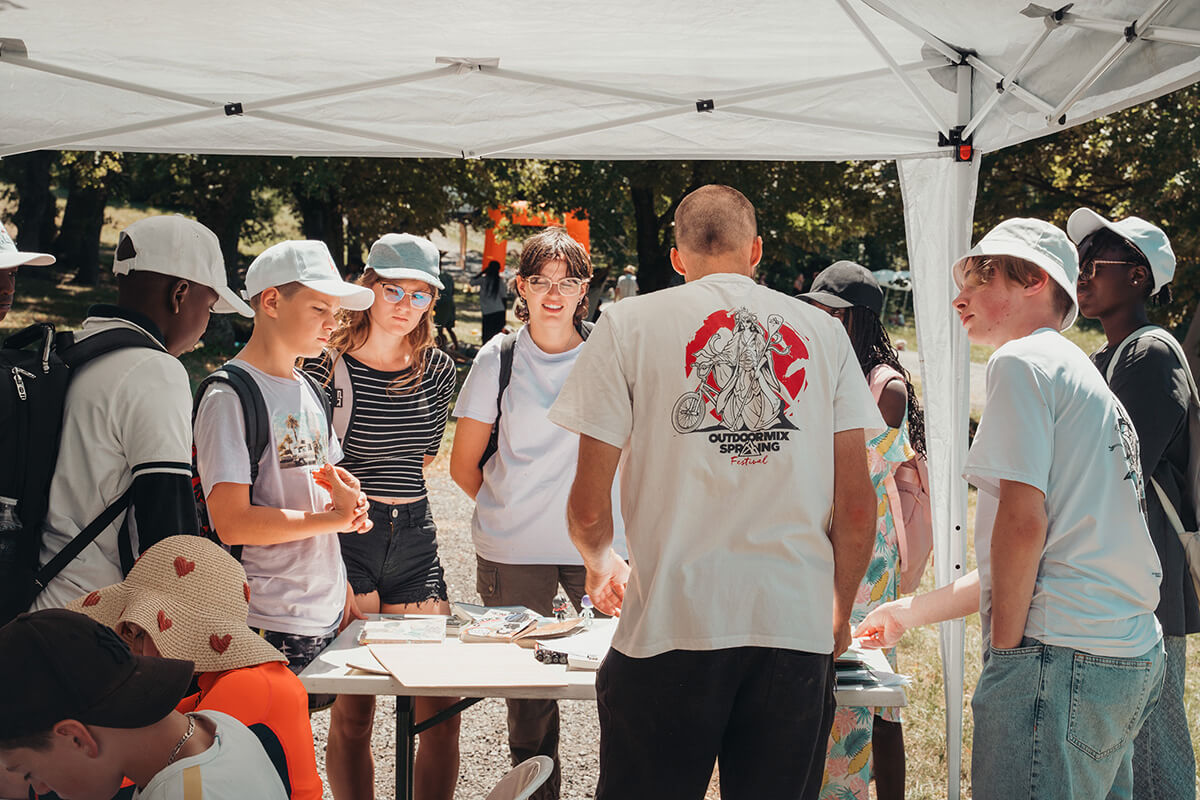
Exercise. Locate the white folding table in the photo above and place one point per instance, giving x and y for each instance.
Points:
(333, 672)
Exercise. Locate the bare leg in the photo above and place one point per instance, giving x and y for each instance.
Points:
(887, 744)
(435, 773)
(349, 765)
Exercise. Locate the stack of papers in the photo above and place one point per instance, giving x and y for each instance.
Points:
(862, 667)
(403, 629)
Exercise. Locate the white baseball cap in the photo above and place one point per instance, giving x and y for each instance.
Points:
(181, 247)
(308, 263)
(401, 255)
(1037, 242)
(1147, 237)
(10, 256)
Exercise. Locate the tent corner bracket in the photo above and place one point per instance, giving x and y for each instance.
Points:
(964, 149)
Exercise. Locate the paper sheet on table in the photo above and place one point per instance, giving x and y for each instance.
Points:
(421, 666)
(591, 645)
(878, 664)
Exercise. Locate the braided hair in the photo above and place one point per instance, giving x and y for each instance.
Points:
(873, 347)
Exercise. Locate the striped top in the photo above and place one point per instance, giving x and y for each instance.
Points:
(390, 433)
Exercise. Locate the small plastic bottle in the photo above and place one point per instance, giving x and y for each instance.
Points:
(586, 614)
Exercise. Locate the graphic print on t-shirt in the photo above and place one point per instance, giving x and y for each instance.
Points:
(300, 439)
(1128, 442)
(747, 376)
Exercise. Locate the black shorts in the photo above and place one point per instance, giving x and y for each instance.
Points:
(398, 557)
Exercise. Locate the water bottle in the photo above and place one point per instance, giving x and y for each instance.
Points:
(586, 604)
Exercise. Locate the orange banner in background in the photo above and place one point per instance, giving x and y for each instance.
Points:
(496, 249)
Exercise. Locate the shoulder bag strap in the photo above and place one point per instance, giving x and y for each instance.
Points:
(81, 540)
(507, 345)
(1128, 340)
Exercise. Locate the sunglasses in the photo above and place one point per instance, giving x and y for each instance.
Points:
(394, 294)
(567, 287)
(1087, 269)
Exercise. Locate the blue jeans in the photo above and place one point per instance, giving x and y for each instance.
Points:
(1052, 722)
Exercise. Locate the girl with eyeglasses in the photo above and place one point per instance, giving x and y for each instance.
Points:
(399, 392)
(523, 551)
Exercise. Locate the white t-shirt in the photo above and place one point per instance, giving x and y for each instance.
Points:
(295, 587)
(233, 768)
(725, 397)
(127, 413)
(627, 286)
(1051, 422)
(521, 508)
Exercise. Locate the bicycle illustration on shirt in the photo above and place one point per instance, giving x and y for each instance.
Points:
(738, 377)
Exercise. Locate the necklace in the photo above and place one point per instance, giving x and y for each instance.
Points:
(191, 728)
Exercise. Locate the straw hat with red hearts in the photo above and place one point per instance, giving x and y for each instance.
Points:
(191, 597)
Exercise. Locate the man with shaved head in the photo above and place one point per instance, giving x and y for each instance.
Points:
(739, 416)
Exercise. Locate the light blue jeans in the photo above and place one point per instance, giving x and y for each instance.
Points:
(1052, 722)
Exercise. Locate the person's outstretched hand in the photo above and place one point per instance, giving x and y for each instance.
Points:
(606, 584)
(884, 626)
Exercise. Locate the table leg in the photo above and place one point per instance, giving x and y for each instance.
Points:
(404, 748)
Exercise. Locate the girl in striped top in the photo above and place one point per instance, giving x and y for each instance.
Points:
(398, 393)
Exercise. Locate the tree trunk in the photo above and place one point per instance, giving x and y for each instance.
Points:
(78, 243)
(654, 263)
(356, 245)
(321, 220)
(36, 208)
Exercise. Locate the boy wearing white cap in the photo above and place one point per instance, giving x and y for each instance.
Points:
(299, 596)
(1122, 266)
(1068, 577)
(11, 259)
(126, 434)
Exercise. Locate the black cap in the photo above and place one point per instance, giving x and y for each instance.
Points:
(844, 284)
(58, 665)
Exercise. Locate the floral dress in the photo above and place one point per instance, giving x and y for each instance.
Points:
(848, 760)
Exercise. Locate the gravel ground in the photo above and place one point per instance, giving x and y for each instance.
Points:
(483, 739)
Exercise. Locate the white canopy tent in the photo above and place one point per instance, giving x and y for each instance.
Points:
(811, 80)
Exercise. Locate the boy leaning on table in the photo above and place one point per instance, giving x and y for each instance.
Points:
(1068, 576)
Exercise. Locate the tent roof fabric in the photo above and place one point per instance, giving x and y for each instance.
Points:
(817, 80)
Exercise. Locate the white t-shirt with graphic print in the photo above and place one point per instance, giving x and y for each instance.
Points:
(295, 587)
(725, 397)
(236, 766)
(1052, 423)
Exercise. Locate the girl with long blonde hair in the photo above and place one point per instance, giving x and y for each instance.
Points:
(383, 364)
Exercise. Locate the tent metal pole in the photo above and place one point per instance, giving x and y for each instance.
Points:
(1004, 83)
(1060, 111)
(67, 72)
(816, 122)
(59, 141)
(1154, 33)
(955, 56)
(873, 40)
(500, 147)
(1017, 89)
(351, 88)
(415, 144)
(821, 83)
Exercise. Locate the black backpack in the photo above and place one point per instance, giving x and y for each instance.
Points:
(506, 361)
(258, 433)
(37, 365)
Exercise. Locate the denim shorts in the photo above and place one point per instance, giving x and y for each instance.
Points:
(398, 557)
(1052, 722)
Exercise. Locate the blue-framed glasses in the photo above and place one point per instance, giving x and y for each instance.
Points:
(394, 294)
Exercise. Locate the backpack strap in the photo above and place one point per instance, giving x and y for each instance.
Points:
(75, 354)
(342, 395)
(326, 401)
(81, 540)
(507, 344)
(254, 415)
(1128, 340)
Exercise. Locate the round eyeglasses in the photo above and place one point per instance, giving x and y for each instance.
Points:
(567, 287)
(394, 294)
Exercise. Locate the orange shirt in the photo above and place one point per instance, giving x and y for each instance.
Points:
(268, 694)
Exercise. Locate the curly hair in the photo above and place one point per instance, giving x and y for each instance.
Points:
(552, 244)
(354, 327)
(873, 347)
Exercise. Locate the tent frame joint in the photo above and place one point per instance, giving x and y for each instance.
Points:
(233, 109)
(964, 148)
(705, 106)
